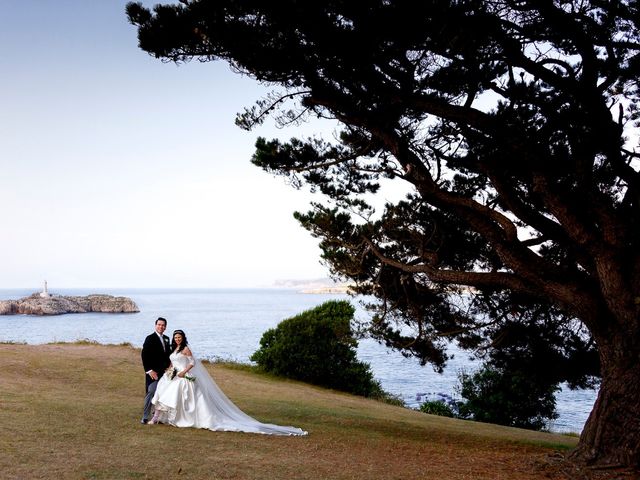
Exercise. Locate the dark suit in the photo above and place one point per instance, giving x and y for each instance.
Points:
(155, 358)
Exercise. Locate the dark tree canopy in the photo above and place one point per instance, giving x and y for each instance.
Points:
(514, 125)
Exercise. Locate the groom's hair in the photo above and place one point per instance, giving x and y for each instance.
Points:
(160, 319)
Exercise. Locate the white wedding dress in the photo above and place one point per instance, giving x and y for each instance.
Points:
(200, 403)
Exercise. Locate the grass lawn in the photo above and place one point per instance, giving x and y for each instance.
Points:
(72, 411)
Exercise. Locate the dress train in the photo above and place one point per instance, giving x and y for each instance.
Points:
(197, 401)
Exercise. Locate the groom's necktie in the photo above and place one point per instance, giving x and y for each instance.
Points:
(164, 349)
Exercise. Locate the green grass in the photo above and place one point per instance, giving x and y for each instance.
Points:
(72, 411)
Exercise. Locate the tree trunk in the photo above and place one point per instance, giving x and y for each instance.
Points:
(611, 435)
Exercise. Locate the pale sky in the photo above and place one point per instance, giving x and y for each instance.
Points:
(118, 170)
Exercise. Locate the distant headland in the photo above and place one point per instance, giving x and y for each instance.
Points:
(45, 303)
(320, 285)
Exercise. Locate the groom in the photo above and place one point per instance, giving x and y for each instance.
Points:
(155, 360)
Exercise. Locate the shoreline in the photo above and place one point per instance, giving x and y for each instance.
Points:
(229, 324)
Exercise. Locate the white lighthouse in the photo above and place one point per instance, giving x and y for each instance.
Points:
(44, 293)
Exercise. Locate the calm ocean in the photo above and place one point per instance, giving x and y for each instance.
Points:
(228, 324)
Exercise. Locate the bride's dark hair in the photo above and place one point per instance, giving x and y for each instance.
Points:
(173, 341)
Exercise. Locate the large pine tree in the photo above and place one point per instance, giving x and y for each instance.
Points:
(513, 124)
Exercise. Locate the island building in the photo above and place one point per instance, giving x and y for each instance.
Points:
(44, 293)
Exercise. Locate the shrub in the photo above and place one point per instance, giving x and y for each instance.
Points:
(388, 398)
(504, 397)
(437, 407)
(317, 346)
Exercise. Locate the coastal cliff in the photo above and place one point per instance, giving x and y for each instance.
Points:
(317, 286)
(37, 304)
(341, 289)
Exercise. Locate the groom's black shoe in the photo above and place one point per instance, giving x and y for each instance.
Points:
(143, 421)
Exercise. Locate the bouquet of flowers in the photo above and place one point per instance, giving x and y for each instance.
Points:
(172, 372)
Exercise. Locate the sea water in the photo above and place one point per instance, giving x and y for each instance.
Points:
(228, 324)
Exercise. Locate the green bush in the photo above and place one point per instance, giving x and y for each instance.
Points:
(437, 407)
(513, 398)
(317, 346)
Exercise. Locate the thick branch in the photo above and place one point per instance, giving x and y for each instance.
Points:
(500, 280)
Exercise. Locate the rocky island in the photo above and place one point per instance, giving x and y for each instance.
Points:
(44, 303)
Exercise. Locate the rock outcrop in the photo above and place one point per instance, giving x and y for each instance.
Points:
(58, 304)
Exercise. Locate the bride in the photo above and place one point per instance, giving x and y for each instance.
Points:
(187, 396)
